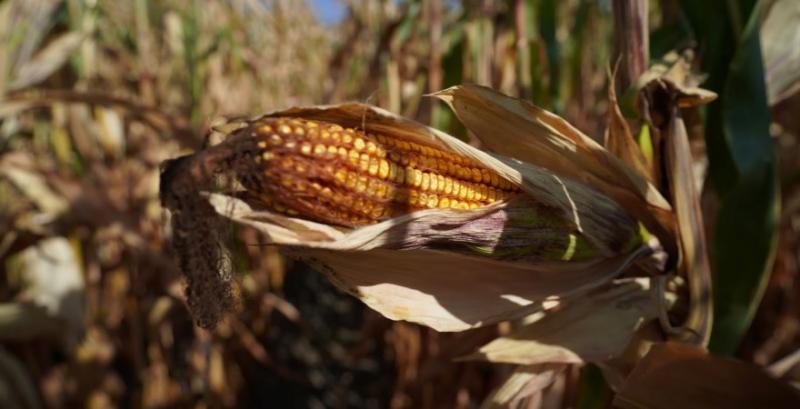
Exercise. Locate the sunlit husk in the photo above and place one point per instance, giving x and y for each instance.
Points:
(449, 291)
(594, 328)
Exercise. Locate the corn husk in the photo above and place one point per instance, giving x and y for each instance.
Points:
(449, 291)
(520, 129)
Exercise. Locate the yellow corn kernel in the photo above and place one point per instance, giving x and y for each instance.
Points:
(345, 176)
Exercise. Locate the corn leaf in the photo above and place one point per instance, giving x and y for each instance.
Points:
(742, 169)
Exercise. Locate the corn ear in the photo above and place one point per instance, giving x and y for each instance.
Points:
(322, 171)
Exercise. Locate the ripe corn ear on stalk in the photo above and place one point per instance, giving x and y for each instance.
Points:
(396, 212)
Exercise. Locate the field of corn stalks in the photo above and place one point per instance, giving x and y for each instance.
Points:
(351, 204)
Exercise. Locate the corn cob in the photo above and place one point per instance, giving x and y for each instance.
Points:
(344, 176)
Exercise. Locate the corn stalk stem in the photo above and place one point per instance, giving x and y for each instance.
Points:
(631, 41)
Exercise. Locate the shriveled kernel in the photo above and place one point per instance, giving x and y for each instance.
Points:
(401, 175)
(363, 162)
(383, 169)
(352, 178)
(413, 197)
(361, 186)
(382, 190)
(426, 181)
(462, 192)
(433, 201)
(491, 194)
(353, 156)
(495, 180)
(359, 144)
(423, 199)
(417, 178)
(372, 187)
(476, 175)
(486, 177)
(480, 193)
(373, 166)
(409, 176)
(448, 186)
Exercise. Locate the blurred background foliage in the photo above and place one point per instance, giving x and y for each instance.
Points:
(94, 94)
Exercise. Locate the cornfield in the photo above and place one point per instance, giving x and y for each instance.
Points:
(420, 204)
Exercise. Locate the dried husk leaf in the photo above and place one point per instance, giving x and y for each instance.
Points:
(618, 138)
(664, 97)
(526, 383)
(674, 375)
(594, 328)
(444, 290)
(526, 132)
(465, 291)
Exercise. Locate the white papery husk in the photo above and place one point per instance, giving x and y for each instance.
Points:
(447, 291)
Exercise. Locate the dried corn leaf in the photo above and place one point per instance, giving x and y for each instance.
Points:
(663, 97)
(46, 61)
(594, 328)
(673, 375)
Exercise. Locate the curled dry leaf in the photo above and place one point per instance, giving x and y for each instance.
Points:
(569, 333)
(518, 234)
(670, 88)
